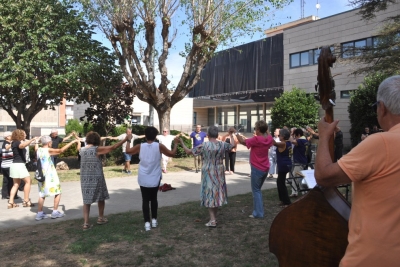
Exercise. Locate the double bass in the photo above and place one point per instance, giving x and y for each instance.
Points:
(313, 230)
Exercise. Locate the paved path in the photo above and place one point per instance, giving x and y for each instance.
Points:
(125, 195)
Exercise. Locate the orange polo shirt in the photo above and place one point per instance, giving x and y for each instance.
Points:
(374, 225)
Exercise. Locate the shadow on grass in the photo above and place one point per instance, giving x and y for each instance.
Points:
(182, 238)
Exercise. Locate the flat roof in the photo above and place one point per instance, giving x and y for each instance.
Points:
(279, 29)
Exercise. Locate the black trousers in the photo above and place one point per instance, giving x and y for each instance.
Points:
(282, 189)
(230, 159)
(149, 197)
(7, 183)
(338, 152)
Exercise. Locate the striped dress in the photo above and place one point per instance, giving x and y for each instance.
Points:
(93, 184)
(213, 186)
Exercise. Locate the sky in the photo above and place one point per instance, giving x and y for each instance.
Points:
(289, 13)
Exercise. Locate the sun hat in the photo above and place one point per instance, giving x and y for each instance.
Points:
(8, 133)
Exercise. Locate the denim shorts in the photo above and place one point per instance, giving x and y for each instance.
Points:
(127, 157)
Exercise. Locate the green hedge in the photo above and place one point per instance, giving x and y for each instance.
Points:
(180, 153)
(115, 156)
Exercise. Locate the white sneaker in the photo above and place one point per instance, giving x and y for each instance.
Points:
(56, 214)
(41, 216)
(154, 223)
(147, 226)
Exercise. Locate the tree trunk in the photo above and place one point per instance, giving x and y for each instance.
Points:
(26, 126)
(164, 118)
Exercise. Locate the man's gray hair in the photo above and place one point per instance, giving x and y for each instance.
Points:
(389, 94)
(45, 139)
(212, 132)
(284, 133)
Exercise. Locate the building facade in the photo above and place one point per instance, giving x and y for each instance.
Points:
(238, 86)
(46, 119)
(300, 46)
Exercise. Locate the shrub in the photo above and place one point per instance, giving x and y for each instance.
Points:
(71, 151)
(180, 153)
(294, 109)
(360, 111)
(74, 125)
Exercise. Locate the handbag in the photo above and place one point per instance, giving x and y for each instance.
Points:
(39, 171)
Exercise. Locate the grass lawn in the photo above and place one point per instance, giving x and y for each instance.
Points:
(181, 239)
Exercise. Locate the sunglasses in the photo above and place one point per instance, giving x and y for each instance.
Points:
(375, 106)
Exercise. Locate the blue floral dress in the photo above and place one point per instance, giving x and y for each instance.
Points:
(51, 186)
(213, 186)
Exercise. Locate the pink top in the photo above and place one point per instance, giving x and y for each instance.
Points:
(259, 151)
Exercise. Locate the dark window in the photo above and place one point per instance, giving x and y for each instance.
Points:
(316, 55)
(11, 128)
(304, 58)
(299, 59)
(194, 118)
(295, 60)
(345, 94)
(353, 48)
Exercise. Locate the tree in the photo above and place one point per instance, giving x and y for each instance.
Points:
(133, 26)
(47, 54)
(104, 113)
(294, 109)
(368, 8)
(384, 55)
(361, 114)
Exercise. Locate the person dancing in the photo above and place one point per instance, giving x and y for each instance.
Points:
(18, 170)
(213, 186)
(51, 185)
(149, 175)
(93, 184)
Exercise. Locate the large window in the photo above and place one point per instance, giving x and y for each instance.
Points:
(11, 128)
(354, 48)
(306, 58)
(299, 59)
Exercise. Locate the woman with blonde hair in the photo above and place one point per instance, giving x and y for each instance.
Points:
(18, 170)
(51, 185)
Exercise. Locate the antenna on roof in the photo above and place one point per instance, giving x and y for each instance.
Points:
(302, 2)
(318, 7)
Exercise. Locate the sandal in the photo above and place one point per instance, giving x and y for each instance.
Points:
(211, 224)
(12, 205)
(27, 204)
(86, 226)
(102, 220)
(293, 195)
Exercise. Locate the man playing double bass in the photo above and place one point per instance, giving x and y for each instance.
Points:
(374, 225)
